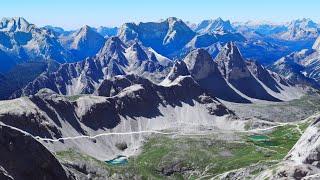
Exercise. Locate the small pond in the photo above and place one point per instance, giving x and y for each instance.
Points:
(259, 137)
(119, 160)
(263, 140)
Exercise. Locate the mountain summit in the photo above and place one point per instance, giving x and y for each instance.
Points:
(205, 71)
(86, 42)
(214, 25)
(234, 69)
(200, 64)
(24, 42)
(301, 29)
(15, 24)
(231, 64)
(164, 37)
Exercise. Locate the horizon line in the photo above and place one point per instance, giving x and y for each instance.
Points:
(261, 21)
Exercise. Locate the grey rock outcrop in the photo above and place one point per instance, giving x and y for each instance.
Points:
(214, 25)
(234, 69)
(86, 43)
(302, 161)
(205, 71)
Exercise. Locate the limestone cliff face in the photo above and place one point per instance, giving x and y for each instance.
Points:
(236, 72)
(231, 64)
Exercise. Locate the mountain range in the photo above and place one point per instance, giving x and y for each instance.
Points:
(74, 101)
(301, 66)
(22, 41)
(148, 49)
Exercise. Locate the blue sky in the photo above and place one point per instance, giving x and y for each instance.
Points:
(75, 13)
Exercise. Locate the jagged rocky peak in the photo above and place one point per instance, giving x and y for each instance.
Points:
(269, 79)
(85, 32)
(25, 42)
(172, 20)
(165, 36)
(301, 29)
(85, 28)
(136, 52)
(235, 70)
(112, 45)
(214, 25)
(303, 23)
(153, 57)
(316, 45)
(231, 63)
(200, 64)
(177, 24)
(15, 24)
(86, 42)
(177, 29)
(257, 69)
(231, 51)
(179, 69)
(127, 31)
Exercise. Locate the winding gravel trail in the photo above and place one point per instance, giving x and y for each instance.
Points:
(154, 132)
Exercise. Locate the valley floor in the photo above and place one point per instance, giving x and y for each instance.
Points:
(287, 111)
(206, 155)
(268, 132)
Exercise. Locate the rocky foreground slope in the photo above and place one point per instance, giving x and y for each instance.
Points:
(302, 162)
(23, 157)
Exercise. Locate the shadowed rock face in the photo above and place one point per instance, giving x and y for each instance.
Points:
(86, 43)
(137, 94)
(200, 64)
(205, 71)
(138, 53)
(234, 69)
(20, 75)
(231, 64)
(178, 69)
(264, 76)
(6, 61)
(22, 157)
